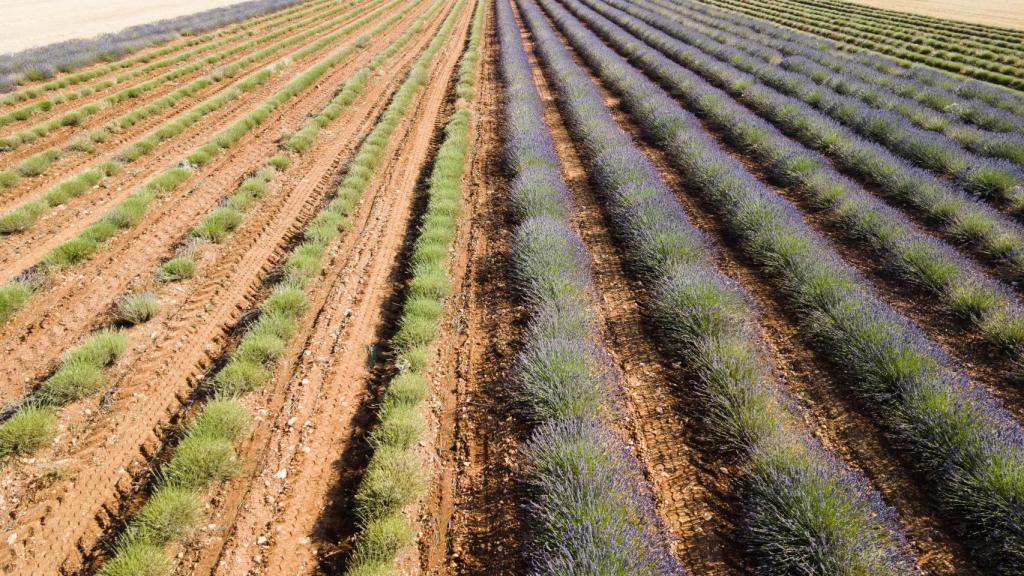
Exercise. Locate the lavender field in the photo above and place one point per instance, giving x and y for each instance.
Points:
(541, 287)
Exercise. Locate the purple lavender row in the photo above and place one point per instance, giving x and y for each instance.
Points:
(964, 87)
(978, 175)
(45, 61)
(950, 61)
(885, 116)
(590, 510)
(956, 215)
(966, 447)
(915, 258)
(803, 511)
(970, 89)
(913, 100)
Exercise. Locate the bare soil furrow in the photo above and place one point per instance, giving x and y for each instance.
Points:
(482, 194)
(146, 56)
(197, 51)
(21, 251)
(312, 416)
(41, 329)
(479, 494)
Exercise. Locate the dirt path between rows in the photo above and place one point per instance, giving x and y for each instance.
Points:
(41, 330)
(316, 414)
(175, 360)
(470, 521)
(475, 525)
(827, 408)
(258, 26)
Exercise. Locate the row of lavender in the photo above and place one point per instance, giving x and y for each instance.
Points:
(956, 215)
(590, 513)
(988, 177)
(965, 445)
(985, 67)
(803, 510)
(831, 73)
(45, 61)
(962, 105)
(854, 213)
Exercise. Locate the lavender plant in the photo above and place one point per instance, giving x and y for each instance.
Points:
(189, 50)
(205, 454)
(988, 177)
(957, 215)
(1006, 146)
(912, 256)
(130, 211)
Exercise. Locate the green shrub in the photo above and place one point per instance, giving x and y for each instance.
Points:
(218, 224)
(177, 268)
(138, 559)
(71, 252)
(22, 218)
(12, 297)
(100, 349)
(200, 460)
(168, 515)
(38, 163)
(137, 308)
(8, 178)
(393, 480)
(28, 430)
(287, 301)
(73, 380)
(259, 348)
(240, 376)
(223, 418)
(380, 541)
(279, 162)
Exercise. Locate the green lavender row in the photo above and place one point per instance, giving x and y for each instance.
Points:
(395, 475)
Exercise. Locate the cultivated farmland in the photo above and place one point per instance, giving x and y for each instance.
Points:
(566, 287)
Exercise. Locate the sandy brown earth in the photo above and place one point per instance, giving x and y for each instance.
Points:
(26, 332)
(30, 23)
(1002, 13)
(73, 161)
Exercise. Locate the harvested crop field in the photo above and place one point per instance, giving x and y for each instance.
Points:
(574, 287)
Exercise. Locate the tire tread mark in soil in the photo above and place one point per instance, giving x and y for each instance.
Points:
(64, 133)
(347, 310)
(336, 528)
(110, 148)
(439, 505)
(482, 533)
(21, 251)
